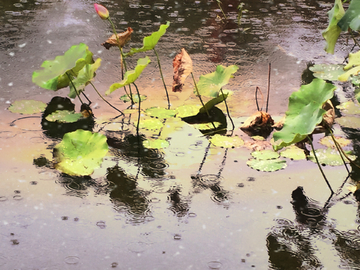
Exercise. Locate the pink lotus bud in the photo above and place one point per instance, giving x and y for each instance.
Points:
(101, 11)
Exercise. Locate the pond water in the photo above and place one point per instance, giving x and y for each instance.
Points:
(191, 205)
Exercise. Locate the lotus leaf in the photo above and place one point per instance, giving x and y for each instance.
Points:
(155, 144)
(130, 75)
(304, 113)
(27, 106)
(349, 107)
(293, 152)
(226, 142)
(330, 157)
(160, 112)
(151, 124)
(211, 103)
(269, 165)
(349, 122)
(351, 18)
(332, 32)
(80, 152)
(210, 84)
(265, 154)
(150, 42)
(135, 98)
(85, 75)
(327, 71)
(328, 141)
(54, 76)
(187, 110)
(63, 116)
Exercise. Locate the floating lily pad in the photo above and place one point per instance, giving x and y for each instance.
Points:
(63, 116)
(349, 107)
(160, 112)
(327, 71)
(207, 126)
(328, 141)
(80, 152)
(27, 106)
(155, 144)
(151, 124)
(226, 142)
(330, 157)
(187, 110)
(265, 154)
(349, 122)
(293, 152)
(135, 98)
(269, 165)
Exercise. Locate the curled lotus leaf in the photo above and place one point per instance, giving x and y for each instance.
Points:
(120, 40)
(305, 112)
(351, 18)
(80, 152)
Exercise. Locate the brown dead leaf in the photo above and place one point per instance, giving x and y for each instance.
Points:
(182, 65)
(260, 123)
(123, 37)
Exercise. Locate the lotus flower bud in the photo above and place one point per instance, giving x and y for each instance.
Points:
(101, 11)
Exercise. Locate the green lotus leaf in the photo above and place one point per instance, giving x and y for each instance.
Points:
(53, 76)
(150, 42)
(265, 154)
(293, 152)
(332, 32)
(226, 142)
(210, 84)
(207, 126)
(304, 112)
(130, 75)
(351, 18)
(211, 103)
(328, 141)
(349, 122)
(269, 165)
(328, 71)
(187, 110)
(162, 113)
(27, 106)
(330, 157)
(349, 107)
(63, 116)
(151, 124)
(135, 98)
(80, 152)
(85, 75)
(155, 144)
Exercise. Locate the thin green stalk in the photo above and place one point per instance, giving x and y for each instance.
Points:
(319, 166)
(202, 103)
(105, 99)
(76, 91)
(122, 59)
(219, 4)
(162, 77)
(340, 150)
(227, 110)
(139, 110)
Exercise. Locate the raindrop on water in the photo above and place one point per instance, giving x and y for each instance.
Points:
(72, 260)
(101, 224)
(177, 236)
(214, 265)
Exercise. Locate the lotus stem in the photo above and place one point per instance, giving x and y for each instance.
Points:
(340, 150)
(162, 78)
(105, 99)
(219, 4)
(202, 103)
(319, 166)
(76, 91)
(268, 88)
(227, 110)
(139, 112)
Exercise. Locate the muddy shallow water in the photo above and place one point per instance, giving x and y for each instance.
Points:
(188, 206)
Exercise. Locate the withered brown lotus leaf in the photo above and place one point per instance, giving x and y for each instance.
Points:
(260, 123)
(123, 37)
(182, 65)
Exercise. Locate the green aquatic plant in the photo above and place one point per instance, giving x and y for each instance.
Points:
(80, 152)
(27, 106)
